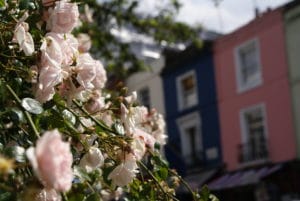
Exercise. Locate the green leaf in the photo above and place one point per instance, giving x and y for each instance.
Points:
(119, 128)
(81, 174)
(2, 3)
(156, 159)
(204, 194)
(32, 105)
(17, 115)
(76, 197)
(163, 173)
(24, 4)
(93, 197)
(5, 196)
(67, 115)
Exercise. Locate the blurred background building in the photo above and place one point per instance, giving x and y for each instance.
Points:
(232, 107)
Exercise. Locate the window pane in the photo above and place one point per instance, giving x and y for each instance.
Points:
(193, 155)
(249, 63)
(189, 94)
(256, 144)
(188, 83)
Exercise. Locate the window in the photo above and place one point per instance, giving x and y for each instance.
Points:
(191, 142)
(248, 67)
(187, 90)
(144, 97)
(254, 135)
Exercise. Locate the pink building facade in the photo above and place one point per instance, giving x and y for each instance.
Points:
(253, 94)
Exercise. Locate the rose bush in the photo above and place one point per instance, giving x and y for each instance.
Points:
(63, 134)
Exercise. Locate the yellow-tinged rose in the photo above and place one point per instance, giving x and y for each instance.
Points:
(6, 165)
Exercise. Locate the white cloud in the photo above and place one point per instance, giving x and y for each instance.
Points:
(233, 13)
(151, 6)
(204, 12)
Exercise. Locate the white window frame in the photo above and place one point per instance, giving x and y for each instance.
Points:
(185, 122)
(179, 78)
(244, 131)
(241, 86)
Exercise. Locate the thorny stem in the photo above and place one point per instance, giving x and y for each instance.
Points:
(64, 196)
(85, 146)
(27, 115)
(166, 195)
(187, 186)
(90, 187)
(75, 114)
(10, 56)
(93, 118)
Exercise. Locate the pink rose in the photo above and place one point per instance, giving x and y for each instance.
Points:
(24, 38)
(63, 18)
(127, 120)
(124, 173)
(138, 147)
(96, 103)
(92, 159)
(52, 161)
(43, 95)
(140, 114)
(69, 46)
(106, 117)
(100, 79)
(148, 139)
(132, 98)
(159, 133)
(51, 52)
(84, 42)
(49, 77)
(85, 70)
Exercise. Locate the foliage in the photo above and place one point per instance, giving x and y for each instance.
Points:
(63, 135)
(120, 14)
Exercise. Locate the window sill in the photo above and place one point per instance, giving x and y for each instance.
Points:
(250, 86)
(254, 163)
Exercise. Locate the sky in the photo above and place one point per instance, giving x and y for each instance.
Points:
(230, 15)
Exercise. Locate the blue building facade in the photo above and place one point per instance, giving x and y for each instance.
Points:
(191, 110)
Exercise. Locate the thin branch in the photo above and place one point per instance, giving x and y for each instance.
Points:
(93, 118)
(6, 188)
(27, 115)
(186, 185)
(16, 56)
(166, 195)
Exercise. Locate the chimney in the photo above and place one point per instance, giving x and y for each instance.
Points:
(256, 10)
